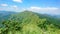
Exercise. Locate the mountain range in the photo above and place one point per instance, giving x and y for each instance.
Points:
(28, 22)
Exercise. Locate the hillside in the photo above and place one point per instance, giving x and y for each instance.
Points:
(51, 19)
(4, 15)
(28, 22)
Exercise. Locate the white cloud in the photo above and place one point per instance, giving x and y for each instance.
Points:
(20, 1)
(10, 8)
(42, 9)
(47, 10)
(4, 5)
(14, 6)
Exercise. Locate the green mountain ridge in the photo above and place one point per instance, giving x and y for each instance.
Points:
(28, 22)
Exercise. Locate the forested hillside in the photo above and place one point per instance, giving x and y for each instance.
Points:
(4, 15)
(29, 22)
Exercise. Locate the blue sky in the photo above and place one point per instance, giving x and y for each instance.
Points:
(41, 6)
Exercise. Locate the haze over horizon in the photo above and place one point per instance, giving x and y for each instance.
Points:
(40, 6)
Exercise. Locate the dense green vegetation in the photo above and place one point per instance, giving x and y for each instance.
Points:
(4, 15)
(28, 22)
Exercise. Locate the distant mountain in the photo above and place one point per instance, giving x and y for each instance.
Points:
(4, 15)
(55, 19)
(57, 16)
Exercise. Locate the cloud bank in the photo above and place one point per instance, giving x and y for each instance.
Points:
(42, 9)
(47, 10)
(4, 5)
(20, 1)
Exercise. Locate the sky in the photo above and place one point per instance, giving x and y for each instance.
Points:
(40, 6)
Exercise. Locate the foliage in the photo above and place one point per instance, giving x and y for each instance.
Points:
(28, 23)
